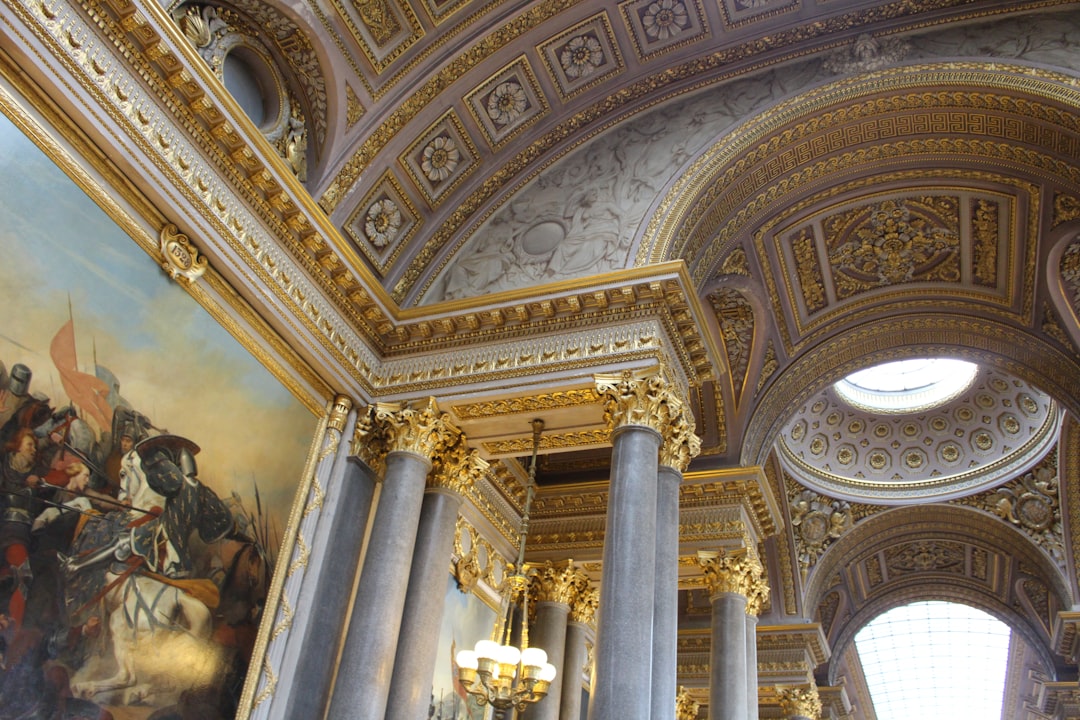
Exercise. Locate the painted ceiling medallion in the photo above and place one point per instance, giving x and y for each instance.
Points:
(969, 441)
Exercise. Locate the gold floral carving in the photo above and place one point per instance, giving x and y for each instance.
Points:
(584, 605)
(642, 398)
(1070, 274)
(896, 241)
(1031, 503)
(353, 109)
(808, 269)
(984, 232)
(1066, 208)
(369, 442)
(458, 468)
(481, 562)
(421, 429)
(800, 702)
(558, 583)
(686, 708)
(816, 522)
(734, 572)
(530, 404)
(680, 444)
(735, 263)
(925, 556)
(179, 257)
(769, 365)
(735, 315)
(567, 440)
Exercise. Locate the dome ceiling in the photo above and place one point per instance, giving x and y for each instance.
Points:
(980, 437)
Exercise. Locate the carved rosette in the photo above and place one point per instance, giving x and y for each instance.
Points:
(817, 521)
(740, 573)
(800, 702)
(686, 708)
(642, 398)
(584, 604)
(458, 468)
(680, 444)
(558, 583)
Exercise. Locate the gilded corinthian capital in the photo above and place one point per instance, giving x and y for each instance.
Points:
(369, 441)
(686, 708)
(641, 398)
(800, 702)
(584, 604)
(680, 444)
(558, 583)
(740, 573)
(457, 468)
(421, 429)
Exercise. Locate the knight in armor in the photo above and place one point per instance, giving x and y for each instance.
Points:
(20, 477)
(163, 544)
(14, 395)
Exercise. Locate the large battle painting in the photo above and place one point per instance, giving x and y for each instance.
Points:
(148, 464)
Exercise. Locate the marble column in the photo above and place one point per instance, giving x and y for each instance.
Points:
(730, 578)
(680, 445)
(455, 470)
(638, 405)
(554, 587)
(800, 702)
(576, 654)
(411, 436)
(757, 596)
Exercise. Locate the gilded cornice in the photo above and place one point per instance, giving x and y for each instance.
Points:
(743, 487)
(807, 639)
(704, 70)
(558, 583)
(525, 405)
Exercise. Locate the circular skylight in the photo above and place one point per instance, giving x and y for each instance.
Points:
(907, 385)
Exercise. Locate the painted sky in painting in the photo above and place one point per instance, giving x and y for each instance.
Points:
(173, 361)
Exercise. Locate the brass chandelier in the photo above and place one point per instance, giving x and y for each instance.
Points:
(501, 675)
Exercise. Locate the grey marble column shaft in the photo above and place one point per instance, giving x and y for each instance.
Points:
(326, 602)
(751, 667)
(549, 633)
(624, 633)
(575, 656)
(727, 678)
(666, 599)
(367, 659)
(414, 663)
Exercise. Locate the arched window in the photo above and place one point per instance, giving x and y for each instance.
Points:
(935, 660)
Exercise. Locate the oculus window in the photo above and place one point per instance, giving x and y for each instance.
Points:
(907, 386)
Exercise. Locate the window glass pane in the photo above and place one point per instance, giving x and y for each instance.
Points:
(935, 661)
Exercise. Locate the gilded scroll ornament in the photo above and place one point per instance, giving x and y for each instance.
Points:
(180, 259)
(680, 443)
(735, 315)
(800, 702)
(731, 572)
(1066, 208)
(369, 442)
(686, 708)
(642, 398)
(1031, 503)
(558, 583)
(817, 521)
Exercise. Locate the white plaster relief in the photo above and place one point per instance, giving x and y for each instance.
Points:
(600, 193)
